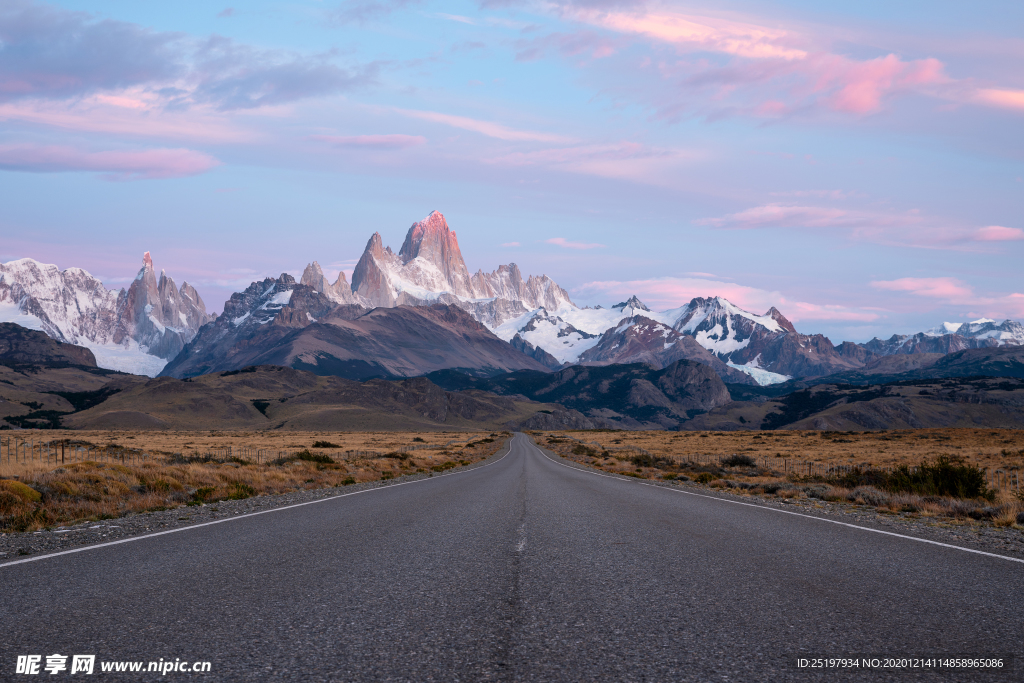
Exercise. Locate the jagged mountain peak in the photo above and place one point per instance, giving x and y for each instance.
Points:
(783, 322)
(129, 330)
(632, 302)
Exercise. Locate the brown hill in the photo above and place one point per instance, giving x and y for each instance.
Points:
(279, 322)
(274, 397)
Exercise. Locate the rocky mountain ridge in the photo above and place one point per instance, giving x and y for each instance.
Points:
(135, 329)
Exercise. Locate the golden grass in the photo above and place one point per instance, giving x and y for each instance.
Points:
(786, 453)
(38, 494)
(992, 449)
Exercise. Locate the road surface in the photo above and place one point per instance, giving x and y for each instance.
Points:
(522, 570)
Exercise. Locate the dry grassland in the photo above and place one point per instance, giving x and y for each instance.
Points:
(792, 464)
(140, 471)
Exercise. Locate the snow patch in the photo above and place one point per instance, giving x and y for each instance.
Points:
(762, 377)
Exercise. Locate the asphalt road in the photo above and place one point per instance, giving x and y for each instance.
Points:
(522, 570)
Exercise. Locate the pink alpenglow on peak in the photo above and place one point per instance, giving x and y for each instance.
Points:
(429, 268)
(147, 261)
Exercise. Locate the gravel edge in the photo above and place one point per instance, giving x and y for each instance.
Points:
(971, 535)
(23, 545)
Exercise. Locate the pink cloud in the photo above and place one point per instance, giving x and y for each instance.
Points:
(103, 115)
(562, 242)
(998, 233)
(935, 287)
(771, 71)
(779, 215)
(623, 161)
(488, 128)
(114, 165)
(393, 141)
(671, 292)
(1007, 99)
(858, 87)
(699, 33)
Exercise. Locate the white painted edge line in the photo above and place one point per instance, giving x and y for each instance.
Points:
(250, 514)
(784, 512)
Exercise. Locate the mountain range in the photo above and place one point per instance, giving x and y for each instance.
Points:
(137, 329)
(421, 311)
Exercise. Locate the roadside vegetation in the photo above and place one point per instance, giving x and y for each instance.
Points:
(962, 475)
(120, 480)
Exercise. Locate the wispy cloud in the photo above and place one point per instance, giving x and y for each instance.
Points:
(936, 287)
(562, 242)
(671, 292)
(956, 292)
(1006, 99)
(998, 233)
(805, 216)
(391, 141)
(510, 244)
(698, 33)
(487, 128)
(622, 161)
(113, 165)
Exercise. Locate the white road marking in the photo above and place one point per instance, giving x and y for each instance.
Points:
(521, 545)
(784, 512)
(250, 514)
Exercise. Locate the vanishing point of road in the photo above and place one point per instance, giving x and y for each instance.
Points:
(525, 569)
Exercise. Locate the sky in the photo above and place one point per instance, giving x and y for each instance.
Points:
(858, 165)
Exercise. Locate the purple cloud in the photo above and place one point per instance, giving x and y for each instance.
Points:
(393, 141)
(113, 165)
(51, 53)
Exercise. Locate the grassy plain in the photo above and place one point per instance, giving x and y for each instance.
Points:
(124, 472)
(792, 464)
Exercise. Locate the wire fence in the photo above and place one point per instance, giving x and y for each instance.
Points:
(15, 451)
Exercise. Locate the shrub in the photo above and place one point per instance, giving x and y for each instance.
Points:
(397, 455)
(704, 478)
(417, 439)
(739, 461)
(869, 495)
(668, 477)
(23, 491)
(310, 456)
(580, 449)
(347, 480)
(945, 477)
(384, 476)
(327, 444)
(241, 491)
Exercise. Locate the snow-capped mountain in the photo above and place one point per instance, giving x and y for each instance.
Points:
(135, 330)
(282, 322)
(1008, 332)
(429, 269)
(340, 292)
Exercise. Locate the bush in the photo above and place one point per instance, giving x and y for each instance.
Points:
(869, 495)
(326, 444)
(23, 491)
(241, 491)
(580, 449)
(704, 478)
(384, 476)
(310, 456)
(945, 477)
(417, 439)
(739, 461)
(669, 476)
(347, 480)
(397, 455)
